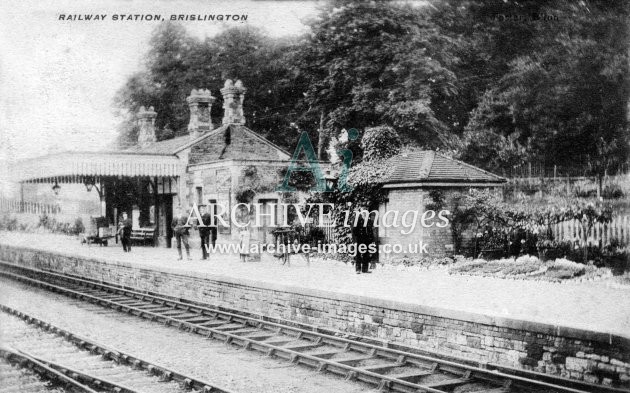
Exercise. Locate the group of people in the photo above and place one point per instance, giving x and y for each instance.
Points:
(207, 233)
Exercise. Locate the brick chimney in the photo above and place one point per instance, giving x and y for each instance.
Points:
(233, 95)
(200, 102)
(146, 122)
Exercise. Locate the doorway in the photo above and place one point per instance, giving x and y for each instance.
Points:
(265, 234)
(165, 212)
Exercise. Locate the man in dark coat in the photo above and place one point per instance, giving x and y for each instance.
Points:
(362, 237)
(207, 232)
(180, 229)
(125, 232)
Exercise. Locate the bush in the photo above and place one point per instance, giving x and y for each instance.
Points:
(553, 249)
(613, 191)
(78, 226)
(579, 193)
(66, 228)
(380, 143)
(577, 254)
(616, 258)
(314, 235)
(8, 223)
(563, 269)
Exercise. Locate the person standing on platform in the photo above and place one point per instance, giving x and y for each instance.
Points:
(244, 237)
(205, 232)
(361, 238)
(180, 229)
(125, 232)
(213, 235)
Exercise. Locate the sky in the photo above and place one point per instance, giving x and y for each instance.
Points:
(58, 78)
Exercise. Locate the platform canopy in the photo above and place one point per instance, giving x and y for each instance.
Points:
(73, 167)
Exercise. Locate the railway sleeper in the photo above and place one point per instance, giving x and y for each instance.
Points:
(417, 359)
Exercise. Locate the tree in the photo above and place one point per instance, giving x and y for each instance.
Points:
(379, 145)
(375, 63)
(565, 98)
(161, 84)
(177, 63)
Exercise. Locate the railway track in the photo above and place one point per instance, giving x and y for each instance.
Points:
(377, 364)
(14, 378)
(78, 364)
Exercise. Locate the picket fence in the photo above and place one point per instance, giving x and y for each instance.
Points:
(600, 234)
(17, 206)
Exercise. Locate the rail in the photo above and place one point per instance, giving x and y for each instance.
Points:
(376, 364)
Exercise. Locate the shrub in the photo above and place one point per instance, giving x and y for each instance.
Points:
(380, 143)
(245, 195)
(553, 249)
(613, 191)
(616, 258)
(594, 253)
(66, 228)
(78, 226)
(562, 269)
(8, 223)
(314, 235)
(579, 193)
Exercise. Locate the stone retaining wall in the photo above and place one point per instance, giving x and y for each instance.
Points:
(579, 354)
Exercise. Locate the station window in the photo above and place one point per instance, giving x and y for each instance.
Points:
(199, 196)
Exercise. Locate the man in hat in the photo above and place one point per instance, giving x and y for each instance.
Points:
(180, 229)
(124, 232)
(207, 232)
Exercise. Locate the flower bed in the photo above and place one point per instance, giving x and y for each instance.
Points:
(417, 263)
(530, 268)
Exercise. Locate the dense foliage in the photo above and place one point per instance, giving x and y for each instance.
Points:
(513, 229)
(176, 63)
(495, 82)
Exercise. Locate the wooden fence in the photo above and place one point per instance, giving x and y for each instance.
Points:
(16, 206)
(600, 234)
(533, 170)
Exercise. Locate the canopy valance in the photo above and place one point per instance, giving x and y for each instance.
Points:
(68, 166)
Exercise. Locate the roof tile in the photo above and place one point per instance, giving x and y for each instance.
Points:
(430, 166)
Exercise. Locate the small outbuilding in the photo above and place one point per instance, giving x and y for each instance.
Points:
(422, 181)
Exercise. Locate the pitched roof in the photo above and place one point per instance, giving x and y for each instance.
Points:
(177, 144)
(168, 146)
(430, 166)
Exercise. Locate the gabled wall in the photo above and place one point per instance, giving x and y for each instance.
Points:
(234, 142)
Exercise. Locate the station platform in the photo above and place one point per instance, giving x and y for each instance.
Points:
(488, 319)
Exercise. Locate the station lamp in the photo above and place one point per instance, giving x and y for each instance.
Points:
(331, 180)
(56, 188)
(89, 183)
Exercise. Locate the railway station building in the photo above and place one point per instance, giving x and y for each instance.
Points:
(223, 163)
(220, 164)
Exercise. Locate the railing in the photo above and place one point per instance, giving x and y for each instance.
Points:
(327, 227)
(16, 206)
(600, 234)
